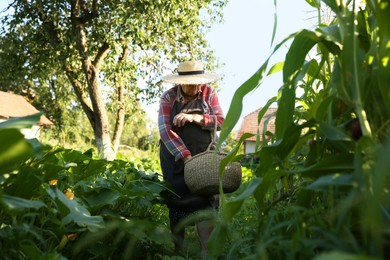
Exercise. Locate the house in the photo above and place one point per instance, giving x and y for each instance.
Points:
(250, 125)
(14, 106)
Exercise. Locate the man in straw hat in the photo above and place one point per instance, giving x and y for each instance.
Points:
(186, 117)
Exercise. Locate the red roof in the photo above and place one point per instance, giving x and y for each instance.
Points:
(250, 125)
(13, 106)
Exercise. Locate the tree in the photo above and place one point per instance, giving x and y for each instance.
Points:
(102, 48)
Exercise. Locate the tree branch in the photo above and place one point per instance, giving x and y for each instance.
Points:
(120, 113)
(87, 15)
(81, 41)
(80, 93)
(102, 53)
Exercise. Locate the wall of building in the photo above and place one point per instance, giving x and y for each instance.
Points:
(249, 147)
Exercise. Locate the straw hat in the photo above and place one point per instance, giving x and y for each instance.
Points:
(190, 72)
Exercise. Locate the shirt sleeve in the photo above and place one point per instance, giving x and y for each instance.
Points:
(215, 107)
(172, 140)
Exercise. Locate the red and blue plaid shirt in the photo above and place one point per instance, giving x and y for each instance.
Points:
(170, 138)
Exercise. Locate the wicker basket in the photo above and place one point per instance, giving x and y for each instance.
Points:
(201, 174)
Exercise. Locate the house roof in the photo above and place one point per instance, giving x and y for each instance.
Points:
(13, 106)
(250, 125)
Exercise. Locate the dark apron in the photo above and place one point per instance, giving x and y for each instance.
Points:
(196, 140)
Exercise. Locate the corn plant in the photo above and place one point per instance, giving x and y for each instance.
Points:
(321, 188)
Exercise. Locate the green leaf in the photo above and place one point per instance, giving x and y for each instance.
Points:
(69, 155)
(333, 133)
(232, 207)
(336, 255)
(32, 251)
(217, 240)
(75, 212)
(231, 157)
(13, 203)
(303, 42)
(285, 112)
(103, 197)
(14, 149)
(21, 122)
(277, 67)
(280, 149)
(331, 164)
(323, 183)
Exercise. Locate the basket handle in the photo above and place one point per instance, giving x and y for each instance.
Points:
(213, 134)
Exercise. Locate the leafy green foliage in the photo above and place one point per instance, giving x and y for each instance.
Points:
(54, 202)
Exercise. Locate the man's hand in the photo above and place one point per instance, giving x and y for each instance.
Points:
(187, 158)
(182, 118)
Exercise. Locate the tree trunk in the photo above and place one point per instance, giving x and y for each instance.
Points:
(101, 127)
(119, 120)
(91, 70)
(120, 113)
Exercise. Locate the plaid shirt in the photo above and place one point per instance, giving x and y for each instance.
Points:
(169, 137)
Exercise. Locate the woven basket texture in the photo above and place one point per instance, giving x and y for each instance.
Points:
(201, 174)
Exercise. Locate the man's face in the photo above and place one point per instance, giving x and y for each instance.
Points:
(190, 89)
